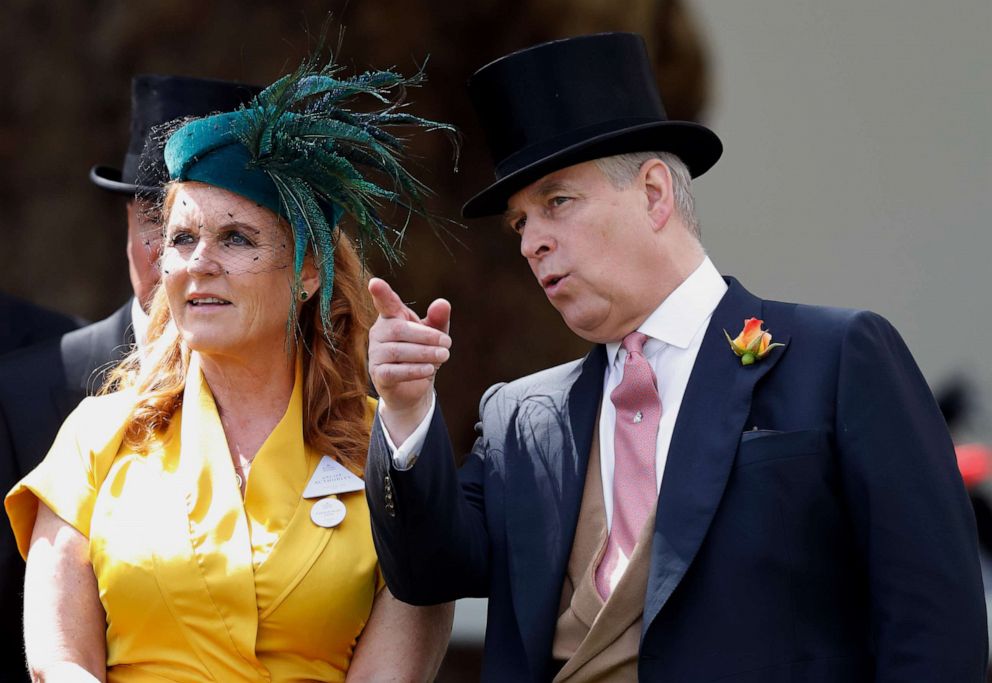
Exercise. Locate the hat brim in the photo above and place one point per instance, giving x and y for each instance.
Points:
(109, 179)
(696, 145)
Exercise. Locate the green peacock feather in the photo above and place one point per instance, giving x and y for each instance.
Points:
(325, 158)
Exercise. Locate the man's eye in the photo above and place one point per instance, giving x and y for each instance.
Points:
(558, 201)
(518, 225)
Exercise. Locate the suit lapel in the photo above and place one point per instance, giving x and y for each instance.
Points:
(711, 419)
(546, 459)
(89, 352)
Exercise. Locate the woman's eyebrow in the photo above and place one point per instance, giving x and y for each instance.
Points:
(230, 225)
(240, 226)
(171, 227)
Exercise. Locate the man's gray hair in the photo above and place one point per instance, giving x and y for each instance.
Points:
(621, 170)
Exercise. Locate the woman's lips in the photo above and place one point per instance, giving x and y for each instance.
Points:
(207, 302)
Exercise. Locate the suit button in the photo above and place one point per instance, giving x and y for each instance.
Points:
(388, 486)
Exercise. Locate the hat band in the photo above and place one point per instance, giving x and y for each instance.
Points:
(545, 148)
(228, 167)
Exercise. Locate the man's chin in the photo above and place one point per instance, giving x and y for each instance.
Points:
(595, 332)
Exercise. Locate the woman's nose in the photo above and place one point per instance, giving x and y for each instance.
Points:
(203, 260)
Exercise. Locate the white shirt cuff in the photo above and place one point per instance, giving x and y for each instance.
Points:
(406, 455)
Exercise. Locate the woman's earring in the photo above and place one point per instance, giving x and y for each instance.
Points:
(304, 295)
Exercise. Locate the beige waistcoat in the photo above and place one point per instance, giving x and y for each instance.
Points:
(597, 641)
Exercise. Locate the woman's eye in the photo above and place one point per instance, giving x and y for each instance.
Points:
(518, 225)
(558, 201)
(238, 240)
(180, 239)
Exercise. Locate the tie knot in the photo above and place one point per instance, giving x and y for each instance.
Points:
(634, 342)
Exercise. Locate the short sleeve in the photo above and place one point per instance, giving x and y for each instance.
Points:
(380, 580)
(371, 406)
(68, 479)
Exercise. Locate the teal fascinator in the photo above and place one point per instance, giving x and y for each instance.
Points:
(299, 151)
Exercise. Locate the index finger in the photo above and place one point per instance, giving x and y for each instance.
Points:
(387, 302)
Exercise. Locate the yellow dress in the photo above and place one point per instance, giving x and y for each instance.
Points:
(197, 584)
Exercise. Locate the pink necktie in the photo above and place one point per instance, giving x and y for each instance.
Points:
(634, 448)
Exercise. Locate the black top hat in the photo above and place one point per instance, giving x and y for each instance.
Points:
(573, 100)
(156, 100)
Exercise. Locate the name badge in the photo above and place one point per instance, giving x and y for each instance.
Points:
(332, 477)
(327, 512)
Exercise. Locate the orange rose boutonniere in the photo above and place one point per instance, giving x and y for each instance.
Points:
(753, 343)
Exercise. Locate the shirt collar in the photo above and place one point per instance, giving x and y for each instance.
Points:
(679, 317)
(139, 323)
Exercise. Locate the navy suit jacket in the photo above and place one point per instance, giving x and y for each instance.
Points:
(23, 324)
(811, 524)
(39, 386)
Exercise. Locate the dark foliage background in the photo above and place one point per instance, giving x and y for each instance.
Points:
(65, 108)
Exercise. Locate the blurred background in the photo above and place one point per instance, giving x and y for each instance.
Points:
(857, 169)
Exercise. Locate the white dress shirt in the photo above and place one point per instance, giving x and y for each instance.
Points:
(406, 454)
(139, 323)
(675, 332)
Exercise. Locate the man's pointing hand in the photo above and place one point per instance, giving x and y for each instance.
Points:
(405, 352)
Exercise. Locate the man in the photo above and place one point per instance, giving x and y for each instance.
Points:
(686, 503)
(23, 324)
(42, 384)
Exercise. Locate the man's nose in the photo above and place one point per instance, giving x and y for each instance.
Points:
(536, 240)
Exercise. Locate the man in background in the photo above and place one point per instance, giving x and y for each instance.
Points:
(24, 324)
(40, 385)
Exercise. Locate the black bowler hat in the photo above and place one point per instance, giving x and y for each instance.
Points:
(574, 100)
(156, 100)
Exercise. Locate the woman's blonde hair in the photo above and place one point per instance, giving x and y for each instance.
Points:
(335, 369)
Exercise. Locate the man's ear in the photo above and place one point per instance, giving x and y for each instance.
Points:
(656, 179)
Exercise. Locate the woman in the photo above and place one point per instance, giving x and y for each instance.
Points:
(205, 520)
